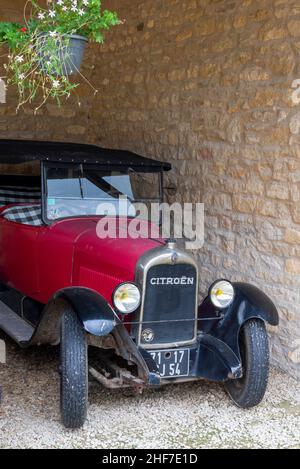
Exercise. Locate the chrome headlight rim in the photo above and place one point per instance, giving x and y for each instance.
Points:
(212, 298)
(135, 307)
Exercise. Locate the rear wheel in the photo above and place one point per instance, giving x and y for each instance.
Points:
(73, 371)
(249, 390)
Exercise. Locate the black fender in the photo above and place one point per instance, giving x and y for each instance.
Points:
(95, 314)
(249, 303)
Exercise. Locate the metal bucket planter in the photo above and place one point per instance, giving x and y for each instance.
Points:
(61, 55)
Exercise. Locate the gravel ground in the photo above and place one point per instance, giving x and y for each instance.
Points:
(196, 415)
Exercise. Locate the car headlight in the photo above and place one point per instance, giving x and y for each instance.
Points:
(222, 294)
(127, 298)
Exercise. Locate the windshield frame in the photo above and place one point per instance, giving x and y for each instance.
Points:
(96, 167)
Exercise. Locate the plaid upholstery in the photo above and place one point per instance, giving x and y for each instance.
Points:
(10, 195)
(25, 214)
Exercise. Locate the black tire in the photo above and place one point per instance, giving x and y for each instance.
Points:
(249, 390)
(73, 371)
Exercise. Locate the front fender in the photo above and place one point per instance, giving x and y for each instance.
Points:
(249, 303)
(96, 315)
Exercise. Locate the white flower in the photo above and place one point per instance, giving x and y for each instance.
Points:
(86, 2)
(60, 2)
(56, 84)
(81, 12)
(19, 59)
(52, 13)
(53, 33)
(65, 8)
(22, 76)
(41, 16)
(74, 8)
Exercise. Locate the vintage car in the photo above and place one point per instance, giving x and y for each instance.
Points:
(133, 300)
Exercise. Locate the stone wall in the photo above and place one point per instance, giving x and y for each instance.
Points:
(210, 86)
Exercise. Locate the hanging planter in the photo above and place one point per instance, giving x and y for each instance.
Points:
(68, 55)
(49, 49)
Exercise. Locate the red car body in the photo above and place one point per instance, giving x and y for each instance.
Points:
(39, 261)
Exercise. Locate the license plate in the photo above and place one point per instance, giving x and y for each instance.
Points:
(172, 363)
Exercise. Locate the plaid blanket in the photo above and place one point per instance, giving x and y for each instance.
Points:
(25, 214)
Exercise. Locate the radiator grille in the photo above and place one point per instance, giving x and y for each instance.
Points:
(170, 304)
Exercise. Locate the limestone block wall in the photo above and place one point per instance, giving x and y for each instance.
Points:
(214, 87)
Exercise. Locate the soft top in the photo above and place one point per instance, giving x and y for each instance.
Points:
(22, 151)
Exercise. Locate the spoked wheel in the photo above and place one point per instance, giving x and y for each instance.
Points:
(73, 371)
(249, 390)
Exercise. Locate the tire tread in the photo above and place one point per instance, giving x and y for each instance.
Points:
(256, 373)
(74, 375)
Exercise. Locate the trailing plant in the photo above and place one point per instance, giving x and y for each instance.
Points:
(39, 49)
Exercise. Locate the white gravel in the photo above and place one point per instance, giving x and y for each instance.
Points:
(197, 415)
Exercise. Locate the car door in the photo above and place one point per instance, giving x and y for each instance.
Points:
(18, 256)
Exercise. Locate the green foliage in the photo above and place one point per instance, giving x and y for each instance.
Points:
(11, 34)
(83, 18)
(61, 19)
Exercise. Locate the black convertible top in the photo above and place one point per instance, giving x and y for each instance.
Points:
(22, 151)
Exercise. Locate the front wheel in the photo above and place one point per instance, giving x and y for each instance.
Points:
(249, 390)
(73, 371)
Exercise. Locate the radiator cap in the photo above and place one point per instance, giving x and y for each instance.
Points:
(171, 243)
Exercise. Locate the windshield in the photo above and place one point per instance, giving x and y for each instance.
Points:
(79, 190)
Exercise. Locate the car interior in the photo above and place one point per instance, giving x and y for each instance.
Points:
(20, 193)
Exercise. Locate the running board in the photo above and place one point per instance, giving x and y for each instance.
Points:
(14, 326)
